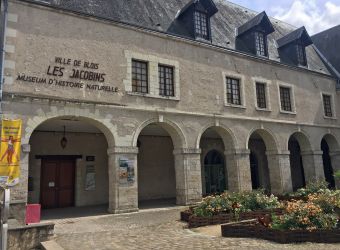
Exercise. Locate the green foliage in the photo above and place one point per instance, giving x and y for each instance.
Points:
(236, 203)
(304, 215)
(312, 187)
(337, 175)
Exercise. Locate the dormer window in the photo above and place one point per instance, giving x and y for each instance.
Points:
(260, 44)
(201, 25)
(292, 47)
(301, 54)
(193, 20)
(252, 35)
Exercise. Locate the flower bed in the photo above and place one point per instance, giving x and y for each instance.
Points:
(256, 230)
(230, 207)
(198, 221)
(314, 219)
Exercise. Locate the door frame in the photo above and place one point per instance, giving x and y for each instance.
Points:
(58, 158)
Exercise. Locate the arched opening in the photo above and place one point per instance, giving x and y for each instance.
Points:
(328, 144)
(214, 165)
(68, 164)
(156, 165)
(214, 172)
(254, 168)
(259, 143)
(297, 143)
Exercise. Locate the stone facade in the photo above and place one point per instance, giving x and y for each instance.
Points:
(37, 35)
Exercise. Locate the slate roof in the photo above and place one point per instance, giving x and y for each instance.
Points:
(328, 43)
(160, 15)
(298, 34)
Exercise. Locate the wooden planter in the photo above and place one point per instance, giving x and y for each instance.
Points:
(255, 230)
(196, 221)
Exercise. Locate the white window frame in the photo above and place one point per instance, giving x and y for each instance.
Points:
(292, 97)
(333, 106)
(241, 79)
(267, 84)
(153, 75)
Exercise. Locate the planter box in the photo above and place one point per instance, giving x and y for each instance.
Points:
(256, 230)
(196, 221)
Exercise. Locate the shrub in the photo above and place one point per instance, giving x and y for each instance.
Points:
(312, 187)
(337, 175)
(236, 203)
(304, 215)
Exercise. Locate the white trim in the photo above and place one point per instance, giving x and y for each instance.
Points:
(333, 106)
(292, 97)
(153, 77)
(267, 84)
(241, 79)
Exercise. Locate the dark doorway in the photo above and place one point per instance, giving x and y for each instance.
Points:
(214, 173)
(327, 164)
(254, 167)
(57, 182)
(296, 165)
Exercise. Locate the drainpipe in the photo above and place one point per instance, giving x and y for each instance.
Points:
(3, 22)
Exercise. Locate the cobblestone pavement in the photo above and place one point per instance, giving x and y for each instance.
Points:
(151, 229)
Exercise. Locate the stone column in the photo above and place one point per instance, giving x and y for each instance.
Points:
(188, 176)
(123, 194)
(238, 169)
(279, 172)
(19, 193)
(313, 165)
(335, 160)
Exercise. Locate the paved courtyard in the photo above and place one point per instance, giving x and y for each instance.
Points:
(151, 229)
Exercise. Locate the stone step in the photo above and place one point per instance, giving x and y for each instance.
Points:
(50, 245)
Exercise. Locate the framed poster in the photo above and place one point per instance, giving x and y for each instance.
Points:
(126, 171)
(90, 178)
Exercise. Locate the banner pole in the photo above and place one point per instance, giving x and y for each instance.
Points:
(4, 218)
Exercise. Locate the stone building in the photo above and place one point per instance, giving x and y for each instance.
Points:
(128, 101)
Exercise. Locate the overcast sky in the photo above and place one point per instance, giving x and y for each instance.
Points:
(315, 15)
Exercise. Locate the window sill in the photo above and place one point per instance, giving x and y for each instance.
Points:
(171, 98)
(263, 110)
(235, 106)
(288, 112)
(329, 117)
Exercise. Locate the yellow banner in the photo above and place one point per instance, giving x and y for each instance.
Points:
(10, 152)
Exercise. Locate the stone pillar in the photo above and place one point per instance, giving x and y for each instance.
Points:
(313, 165)
(279, 172)
(188, 176)
(238, 169)
(335, 160)
(123, 194)
(19, 193)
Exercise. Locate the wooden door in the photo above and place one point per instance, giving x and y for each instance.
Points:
(57, 183)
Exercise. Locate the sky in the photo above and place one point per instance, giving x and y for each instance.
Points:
(315, 15)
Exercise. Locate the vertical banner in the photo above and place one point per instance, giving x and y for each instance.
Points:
(10, 152)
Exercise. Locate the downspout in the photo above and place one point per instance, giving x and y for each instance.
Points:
(3, 22)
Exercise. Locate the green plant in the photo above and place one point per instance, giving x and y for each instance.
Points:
(316, 213)
(312, 187)
(337, 175)
(236, 203)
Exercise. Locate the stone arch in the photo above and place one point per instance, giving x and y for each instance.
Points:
(303, 140)
(228, 137)
(300, 151)
(332, 142)
(103, 124)
(268, 138)
(330, 157)
(172, 128)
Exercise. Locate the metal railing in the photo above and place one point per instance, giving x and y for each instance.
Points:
(4, 211)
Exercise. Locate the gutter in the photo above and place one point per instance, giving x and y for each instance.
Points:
(3, 22)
